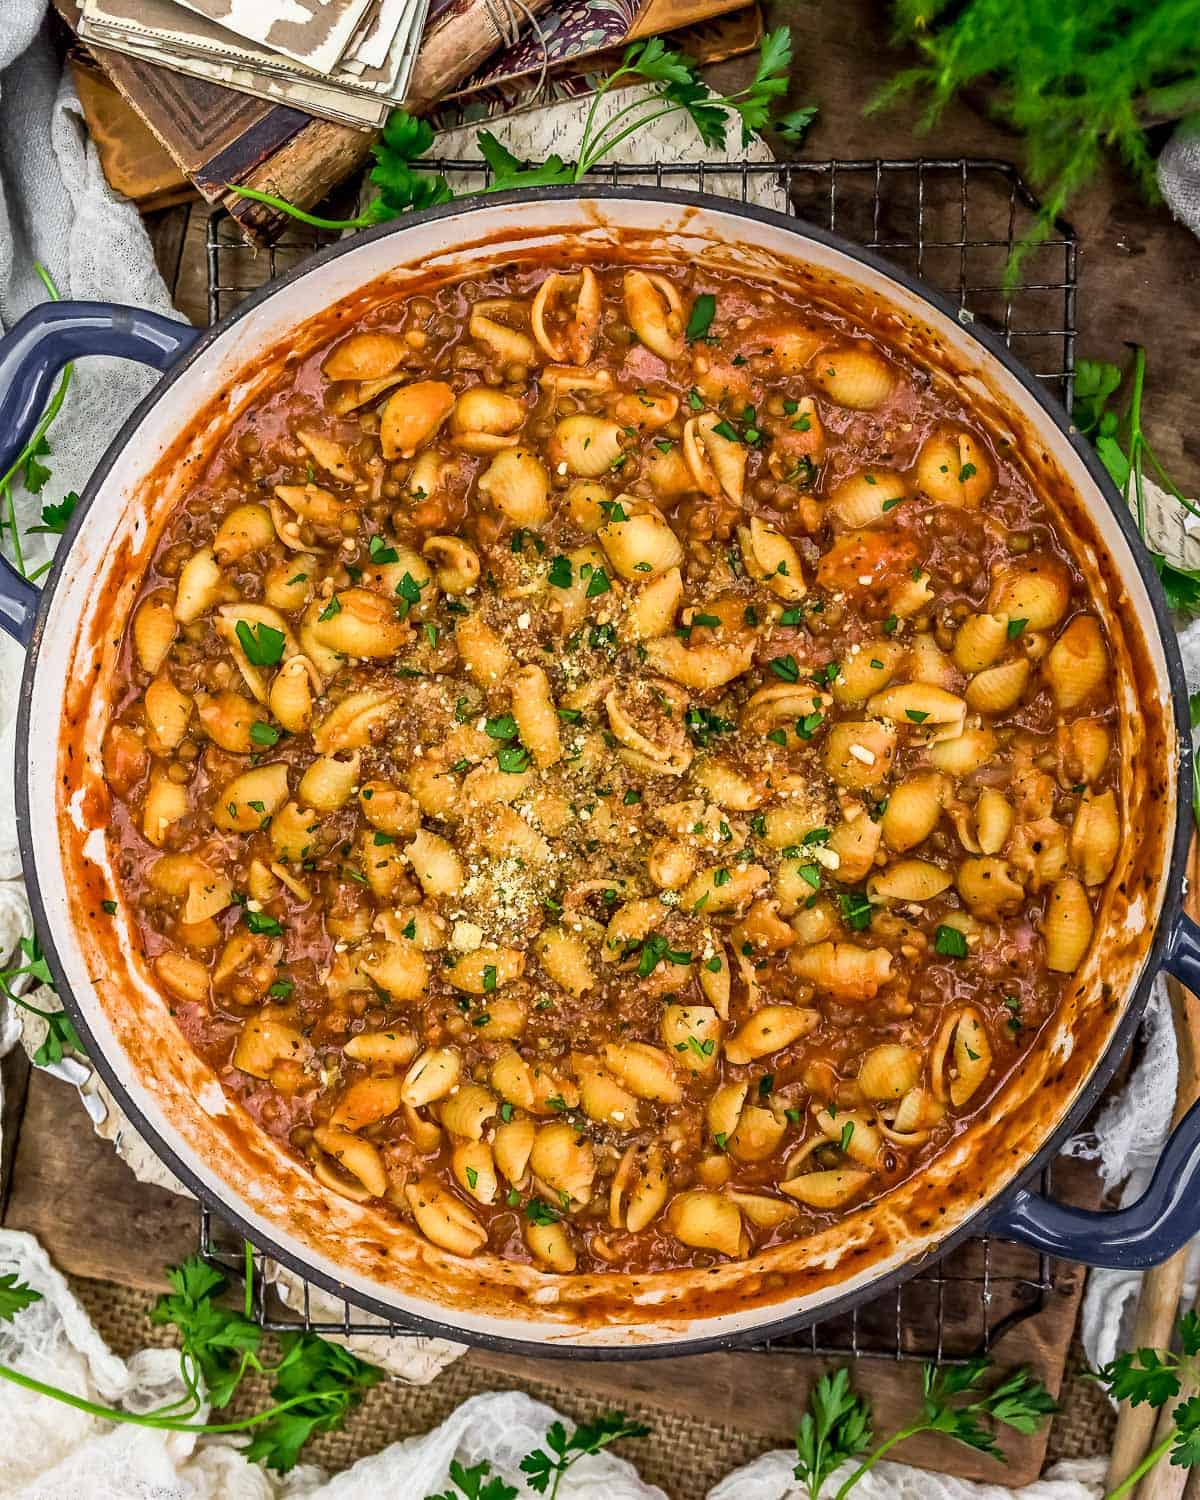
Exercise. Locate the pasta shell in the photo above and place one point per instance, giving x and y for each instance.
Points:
(412, 416)
(364, 356)
(1077, 664)
(867, 498)
(1067, 925)
(844, 970)
(655, 312)
(717, 463)
(953, 467)
(567, 335)
(517, 485)
(707, 1221)
(856, 376)
(443, 1219)
(997, 689)
(1095, 836)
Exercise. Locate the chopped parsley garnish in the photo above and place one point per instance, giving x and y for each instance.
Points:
(654, 950)
(489, 978)
(263, 734)
(785, 667)
(513, 758)
(950, 943)
(537, 1211)
(260, 923)
(502, 727)
(561, 574)
(917, 715)
(281, 989)
(334, 607)
(700, 321)
(1015, 628)
(262, 644)
(890, 624)
(598, 583)
(702, 724)
(856, 910)
(410, 593)
(380, 551)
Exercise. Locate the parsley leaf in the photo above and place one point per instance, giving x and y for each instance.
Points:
(542, 1467)
(55, 517)
(14, 1296)
(263, 644)
(700, 320)
(835, 1428)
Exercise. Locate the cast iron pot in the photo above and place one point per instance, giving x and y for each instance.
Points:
(981, 1182)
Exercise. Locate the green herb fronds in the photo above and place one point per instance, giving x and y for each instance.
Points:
(315, 1384)
(675, 85)
(1078, 80)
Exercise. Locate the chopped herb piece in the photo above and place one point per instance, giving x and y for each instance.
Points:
(260, 922)
(727, 430)
(297, 578)
(808, 725)
(502, 727)
(281, 989)
(561, 574)
(1015, 628)
(472, 1177)
(570, 715)
(262, 644)
(513, 758)
(334, 607)
(856, 910)
(890, 624)
(712, 621)
(694, 400)
(598, 583)
(539, 1212)
(664, 445)
(967, 471)
(791, 617)
(949, 942)
(110, 907)
(785, 667)
(263, 734)
(892, 503)
(410, 592)
(803, 423)
(702, 724)
(847, 1135)
(917, 715)
(380, 551)
(811, 873)
(700, 321)
(777, 736)
(631, 798)
(816, 836)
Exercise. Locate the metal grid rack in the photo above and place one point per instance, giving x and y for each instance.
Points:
(954, 223)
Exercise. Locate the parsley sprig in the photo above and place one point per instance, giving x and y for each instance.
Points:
(676, 85)
(61, 1036)
(956, 1401)
(544, 1467)
(1155, 1377)
(1125, 451)
(544, 1470)
(34, 473)
(315, 1383)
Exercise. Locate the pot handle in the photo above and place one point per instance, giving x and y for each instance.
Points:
(1163, 1219)
(31, 355)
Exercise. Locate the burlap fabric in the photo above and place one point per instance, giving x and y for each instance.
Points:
(686, 1456)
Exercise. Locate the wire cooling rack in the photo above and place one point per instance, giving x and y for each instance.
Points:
(953, 222)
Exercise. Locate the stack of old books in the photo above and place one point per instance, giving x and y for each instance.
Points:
(285, 95)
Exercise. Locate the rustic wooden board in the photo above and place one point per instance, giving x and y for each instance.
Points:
(71, 1190)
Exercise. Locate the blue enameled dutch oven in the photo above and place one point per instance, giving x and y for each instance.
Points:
(985, 1179)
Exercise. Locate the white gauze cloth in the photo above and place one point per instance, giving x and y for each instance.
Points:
(56, 207)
